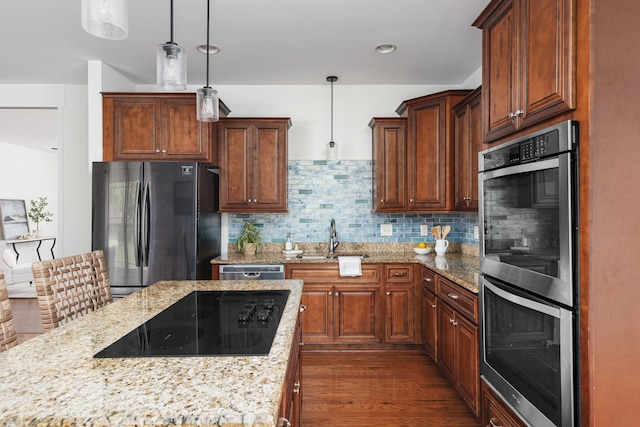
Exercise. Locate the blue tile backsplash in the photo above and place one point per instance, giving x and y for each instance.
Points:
(320, 190)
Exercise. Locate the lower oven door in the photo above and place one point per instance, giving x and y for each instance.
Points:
(528, 354)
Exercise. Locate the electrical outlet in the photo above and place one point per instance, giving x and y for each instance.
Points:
(476, 232)
(424, 230)
(386, 229)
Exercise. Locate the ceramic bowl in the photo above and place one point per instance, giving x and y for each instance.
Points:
(422, 251)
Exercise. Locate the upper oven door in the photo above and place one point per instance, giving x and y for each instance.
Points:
(526, 212)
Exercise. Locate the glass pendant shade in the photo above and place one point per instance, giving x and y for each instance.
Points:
(171, 61)
(332, 153)
(108, 19)
(207, 104)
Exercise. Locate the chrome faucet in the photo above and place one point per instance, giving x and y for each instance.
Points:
(333, 237)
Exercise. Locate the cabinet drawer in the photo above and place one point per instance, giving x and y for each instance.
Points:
(459, 298)
(330, 273)
(401, 273)
(429, 280)
(495, 412)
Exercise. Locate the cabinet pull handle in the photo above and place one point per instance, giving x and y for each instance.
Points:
(519, 113)
(433, 306)
(283, 422)
(301, 343)
(398, 274)
(454, 323)
(297, 384)
(427, 279)
(451, 321)
(303, 308)
(492, 423)
(452, 295)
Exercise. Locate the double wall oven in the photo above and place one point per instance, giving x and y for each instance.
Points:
(529, 292)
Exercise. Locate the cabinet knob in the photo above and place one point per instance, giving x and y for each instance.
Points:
(303, 308)
(410, 200)
(283, 422)
(381, 200)
(336, 294)
(330, 293)
(255, 200)
(433, 306)
(454, 323)
(164, 151)
(389, 293)
(301, 343)
(157, 150)
(249, 201)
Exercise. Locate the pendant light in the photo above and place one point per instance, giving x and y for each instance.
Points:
(108, 19)
(332, 149)
(206, 97)
(171, 64)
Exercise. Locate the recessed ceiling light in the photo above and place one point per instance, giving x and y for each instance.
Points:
(386, 48)
(202, 48)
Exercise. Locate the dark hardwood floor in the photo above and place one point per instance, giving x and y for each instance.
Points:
(354, 389)
(359, 389)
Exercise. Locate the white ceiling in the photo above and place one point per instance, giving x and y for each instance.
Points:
(262, 42)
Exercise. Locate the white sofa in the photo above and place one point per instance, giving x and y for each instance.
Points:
(14, 271)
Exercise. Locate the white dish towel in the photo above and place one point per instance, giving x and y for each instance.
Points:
(350, 266)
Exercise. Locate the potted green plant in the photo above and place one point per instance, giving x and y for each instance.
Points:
(38, 213)
(249, 239)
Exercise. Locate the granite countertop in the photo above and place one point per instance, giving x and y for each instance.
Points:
(459, 267)
(53, 379)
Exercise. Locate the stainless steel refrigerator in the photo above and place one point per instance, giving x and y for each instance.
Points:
(155, 221)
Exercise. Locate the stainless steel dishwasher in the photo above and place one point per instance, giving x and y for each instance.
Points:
(252, 272)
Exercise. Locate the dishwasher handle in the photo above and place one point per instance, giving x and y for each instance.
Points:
(252, 275)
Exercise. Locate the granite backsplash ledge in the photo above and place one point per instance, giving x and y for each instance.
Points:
(359, 248)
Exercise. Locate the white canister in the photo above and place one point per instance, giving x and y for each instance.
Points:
(441, 246)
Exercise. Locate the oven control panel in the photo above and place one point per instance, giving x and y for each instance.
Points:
(548, 142)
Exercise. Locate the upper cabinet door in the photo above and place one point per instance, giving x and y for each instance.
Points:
(389, 164)
(528, 63)
(131, 128)
(253, 165)
(183, 136)
(468, 142)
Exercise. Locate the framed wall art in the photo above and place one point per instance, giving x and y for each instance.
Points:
(14, 222)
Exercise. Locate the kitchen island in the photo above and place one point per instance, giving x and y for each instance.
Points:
(54, 379)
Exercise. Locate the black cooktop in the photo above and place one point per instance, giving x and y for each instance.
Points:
(207, 323)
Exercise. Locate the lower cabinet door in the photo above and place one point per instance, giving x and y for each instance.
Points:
(317, 319)
(398, 307)
(447, 341)
(430, 323)
(357, 314)
(467, 371)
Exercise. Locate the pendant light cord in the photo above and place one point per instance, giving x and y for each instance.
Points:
(332, 111)
(208, 47)
(171, 25)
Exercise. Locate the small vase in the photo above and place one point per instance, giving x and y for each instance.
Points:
(250, 249)
(39, 233)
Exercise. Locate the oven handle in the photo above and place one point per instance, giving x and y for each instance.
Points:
(550, 163)
(514, 297)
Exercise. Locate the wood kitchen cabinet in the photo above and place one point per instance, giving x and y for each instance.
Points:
(429, 314)
(399, 303)
(430, 150)
(292, 391)
(253, 164)
(495, 412)
(468, 142)
(339, 310)
(458, 341)
(156, 126)
(389, 163)
(529, 68)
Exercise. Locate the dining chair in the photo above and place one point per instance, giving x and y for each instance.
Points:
(8, 336)
(70, 287)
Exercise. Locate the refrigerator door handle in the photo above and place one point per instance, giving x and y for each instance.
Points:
(138, 223)
(147, 224)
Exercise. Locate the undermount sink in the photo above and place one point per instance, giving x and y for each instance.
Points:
(330, 256)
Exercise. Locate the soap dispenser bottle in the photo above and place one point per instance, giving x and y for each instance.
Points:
(524, 242)
(288, 245)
